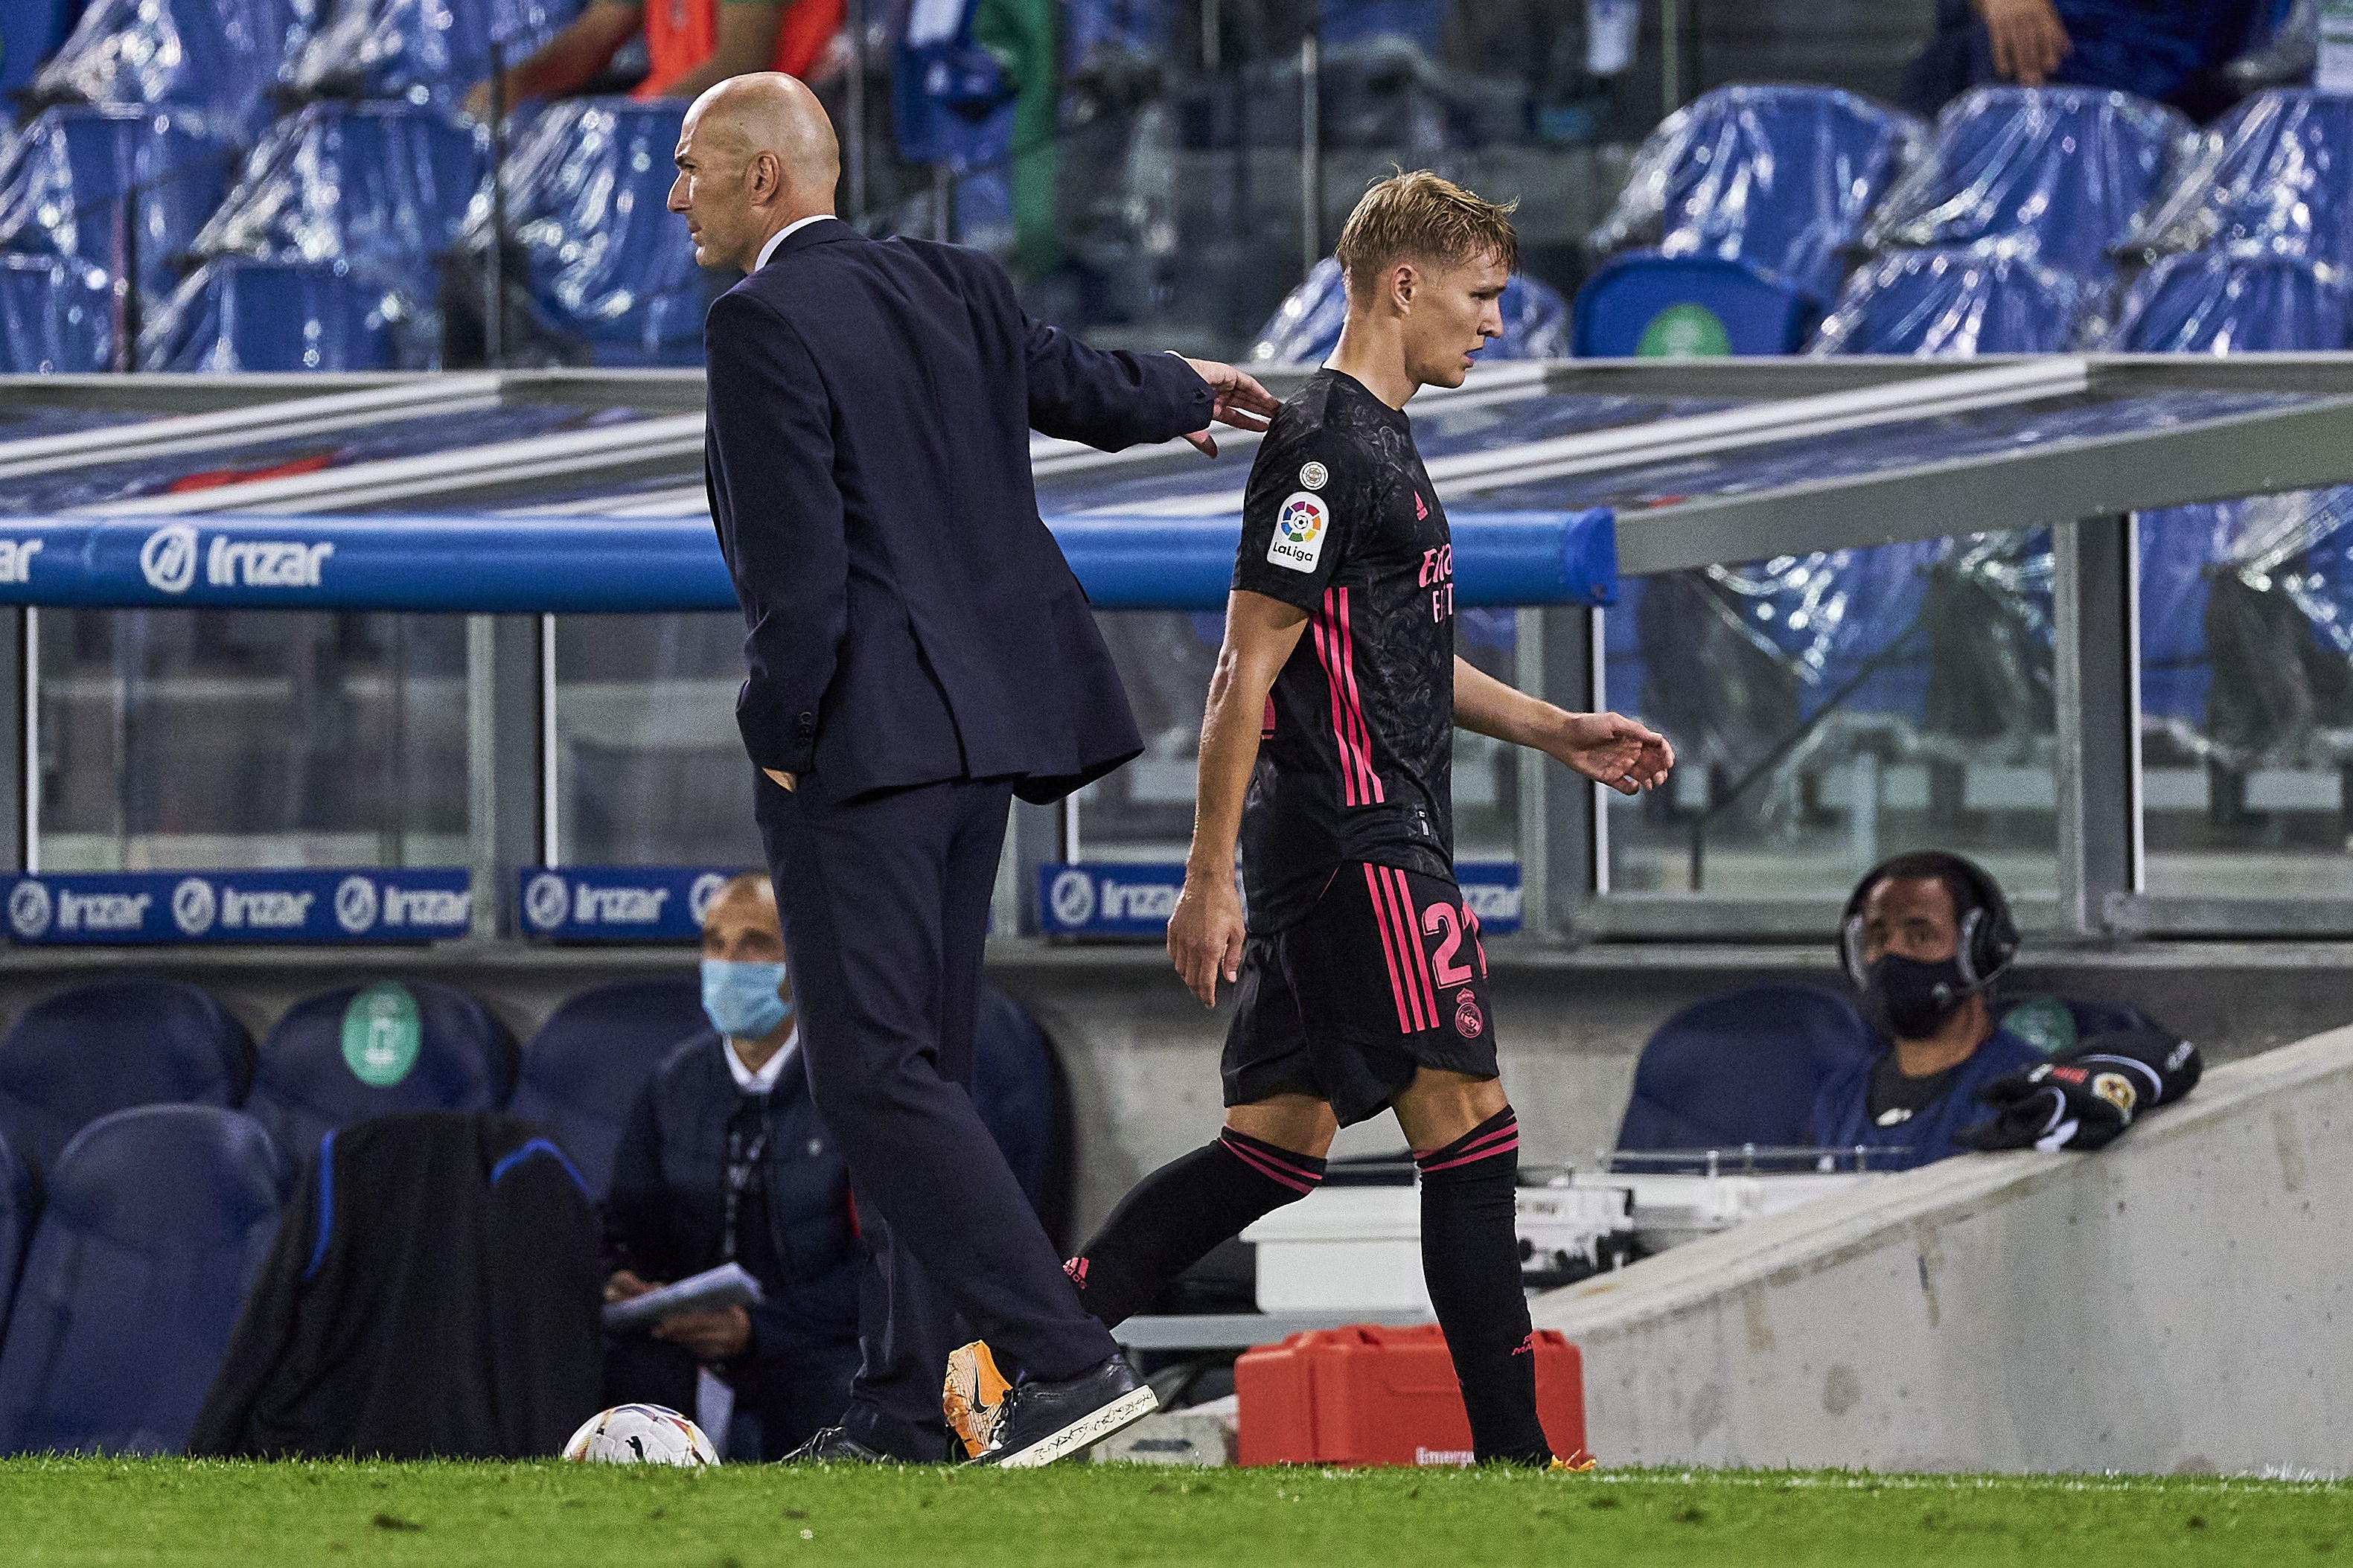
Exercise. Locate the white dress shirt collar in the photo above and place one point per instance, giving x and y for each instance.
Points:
(777, 238)
(764, 1080)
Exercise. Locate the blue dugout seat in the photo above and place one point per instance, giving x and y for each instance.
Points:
(19, 1207)
(308, 1076)
(2218, 303)
(2061, 172)
(1784, 178)
(2273, 177)
(64, 178)
(76, 1055)
(1742, 1067)
(240, 314)
(56, 316)
(1645, 305)
(154, 1223)
(1305, 328)
(220, 57)
(581, 1067)
(422, 49)
(1957, 301)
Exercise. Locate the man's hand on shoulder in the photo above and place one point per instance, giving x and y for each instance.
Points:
(1241, 402)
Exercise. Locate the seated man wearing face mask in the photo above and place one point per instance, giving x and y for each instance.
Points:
(1924, 937)
(724, 1159)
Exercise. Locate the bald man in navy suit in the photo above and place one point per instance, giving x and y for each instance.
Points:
(919, 655)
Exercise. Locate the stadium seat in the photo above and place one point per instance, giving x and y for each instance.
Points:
(1742, 1067)
(1645, 305)
(1784, 178)
(2052, 1024)
(611, 270)
(219, 56)
(19, 1207)
(1018, 1089)
(154, 1224)
(63, 179)
(240, 314)
(1955, 301)
(2216, 303)
(429, 48)
(307, 1082)
(1306, 327)
(56, 316)
(2060, 172)
(79, 1055)
(583, 1066)
(2270, 178)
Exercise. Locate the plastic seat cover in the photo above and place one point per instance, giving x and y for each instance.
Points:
(64, 178)
(56, 316)
(1306, 327)
(2274, 177)
(240, 314)
(1957, 301)
(2218, 303)
(221, 57)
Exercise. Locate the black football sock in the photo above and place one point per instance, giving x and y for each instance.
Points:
(1471, 1260)
(1178, 1213)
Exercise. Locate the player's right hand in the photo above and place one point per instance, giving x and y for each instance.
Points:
(1205, 934)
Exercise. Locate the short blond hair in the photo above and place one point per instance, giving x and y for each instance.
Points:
(1422, 217)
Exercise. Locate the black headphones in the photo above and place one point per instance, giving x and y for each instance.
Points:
(1989, 935)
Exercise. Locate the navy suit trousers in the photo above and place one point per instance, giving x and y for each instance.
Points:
(885, 901)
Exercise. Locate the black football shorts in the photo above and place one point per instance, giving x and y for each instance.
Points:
(1384, 975)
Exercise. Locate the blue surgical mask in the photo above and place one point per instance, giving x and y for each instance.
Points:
(741, 999)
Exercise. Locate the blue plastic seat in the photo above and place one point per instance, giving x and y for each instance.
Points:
(1782, 177)
(1646, 305)
(2216, 303)
(1305, 328)
(610, 267)
(240, 314)
(19, 1207)
(219, 56)
(1742, 1067)
(305, 1085)
(64, 178)
(56, 316)
(2272, 177)
(1955, 301)
(2061, 172)
(581, 1068)
(429, 48)
(154, 1223)
(75, 1057)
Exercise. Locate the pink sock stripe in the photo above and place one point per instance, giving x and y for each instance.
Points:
(1266, 1168)
(1237, 1141)
(1511, 1148)
(1356, 704)
(1489, 1142)
(1475, 1138)
(1325, 656)
(1417, 967)
(1388, 951)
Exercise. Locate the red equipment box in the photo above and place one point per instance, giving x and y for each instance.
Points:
(1370, 1395)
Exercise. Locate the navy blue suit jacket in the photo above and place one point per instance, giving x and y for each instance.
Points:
(909, 617)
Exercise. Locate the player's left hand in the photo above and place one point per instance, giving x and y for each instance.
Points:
(1627, 755)
(709, 1336)
(1241, 402)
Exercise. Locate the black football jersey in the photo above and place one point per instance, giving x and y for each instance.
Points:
(1356, 756)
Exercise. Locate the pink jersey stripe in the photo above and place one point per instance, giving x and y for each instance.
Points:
(1511, 1148)
(1419, 968)
(1400, 905)
(1388, 950)
(1356, 704)
(1327, 654)
(1267, 1168)
(1284, 1160)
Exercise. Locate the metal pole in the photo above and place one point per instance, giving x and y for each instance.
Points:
(126, 352)
(942, 204)
(494, 280)
(1670, 50)
(551, 781)
(854, 110)
(29, 660)
(1211, 48)
(1311, 151)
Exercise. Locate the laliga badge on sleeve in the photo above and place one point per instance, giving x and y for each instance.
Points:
(1298, 530)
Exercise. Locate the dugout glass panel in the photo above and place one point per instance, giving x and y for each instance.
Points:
(649, 769)
(206, 739)
(1830, 710)
(2246, 697)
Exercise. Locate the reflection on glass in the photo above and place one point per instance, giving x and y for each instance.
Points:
(649, 768)
(262, 737)
(1145, 811)
(1830, 710)
(2246, 695)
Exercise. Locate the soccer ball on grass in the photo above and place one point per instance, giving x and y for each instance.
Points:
(640, 1435)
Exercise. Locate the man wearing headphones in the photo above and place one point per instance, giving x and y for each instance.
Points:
(1924, 937)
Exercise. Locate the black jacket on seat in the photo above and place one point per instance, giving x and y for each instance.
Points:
(434, 1290)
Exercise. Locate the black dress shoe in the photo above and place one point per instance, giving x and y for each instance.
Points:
(832, 1445)
(1043, 1422)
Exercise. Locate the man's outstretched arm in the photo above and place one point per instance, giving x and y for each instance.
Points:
(1205, 932)
(1628, 756)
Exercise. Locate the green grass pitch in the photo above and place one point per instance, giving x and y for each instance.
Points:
(69, 1513)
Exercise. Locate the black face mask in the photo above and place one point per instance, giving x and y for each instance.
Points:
(1912, 999)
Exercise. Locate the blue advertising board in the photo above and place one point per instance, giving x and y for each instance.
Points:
(617, 903)
(98, 908)
(1119, 899)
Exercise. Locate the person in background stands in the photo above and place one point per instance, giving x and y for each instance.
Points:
(2164, 49)
(724, 1158)
(690, 44)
